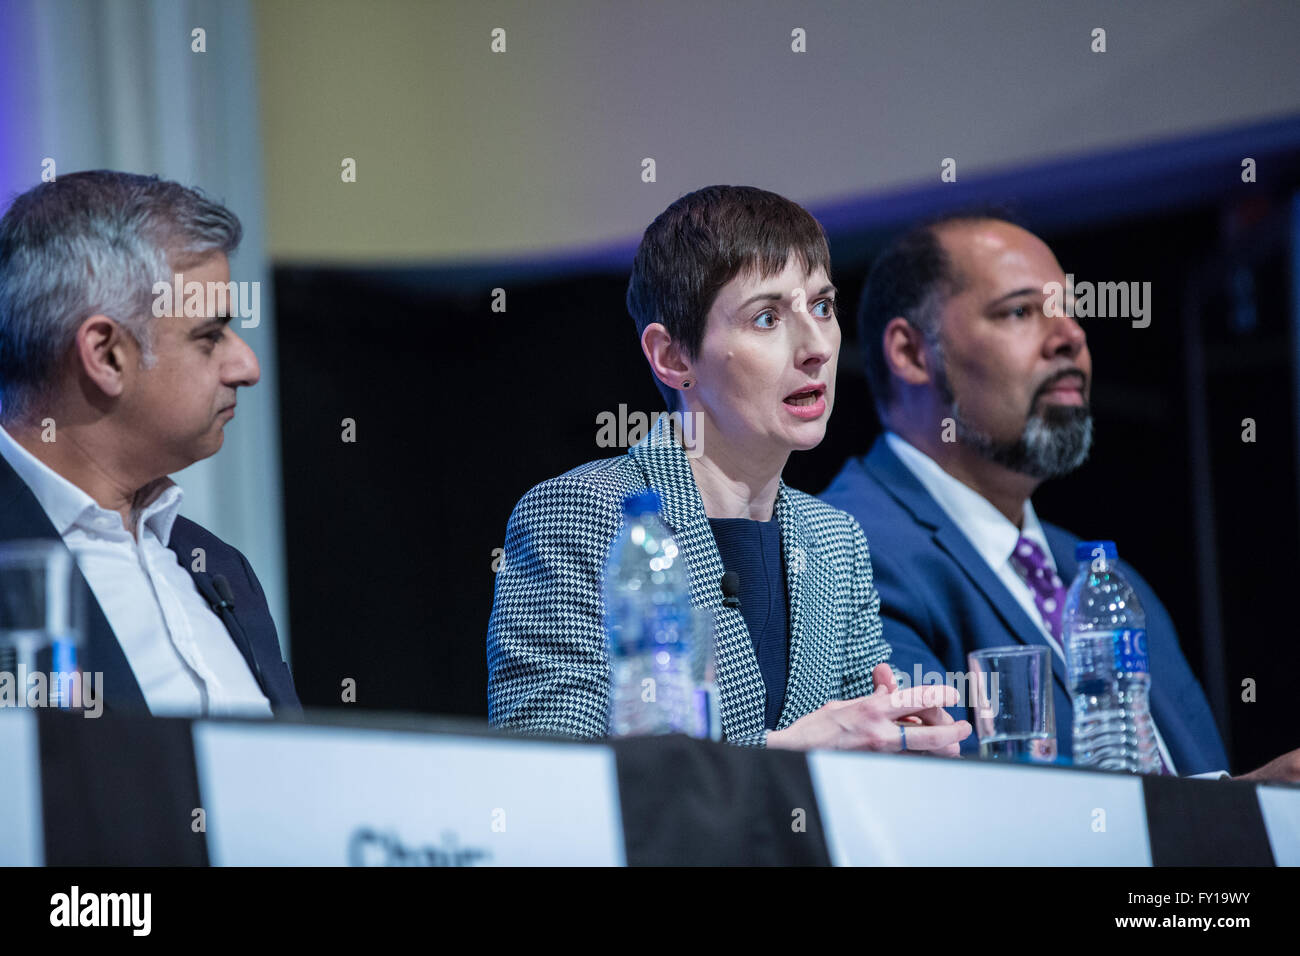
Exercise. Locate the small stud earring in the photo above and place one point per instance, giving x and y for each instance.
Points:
(686, 384)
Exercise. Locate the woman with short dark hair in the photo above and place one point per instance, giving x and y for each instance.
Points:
(733, 301)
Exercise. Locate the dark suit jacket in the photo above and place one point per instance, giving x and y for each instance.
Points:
(250, 624)
(939, 600)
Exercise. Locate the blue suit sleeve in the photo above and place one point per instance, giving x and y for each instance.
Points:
(865, 645)
(1179, 706)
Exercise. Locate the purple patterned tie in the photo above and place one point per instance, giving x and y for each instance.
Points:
(1049, 592)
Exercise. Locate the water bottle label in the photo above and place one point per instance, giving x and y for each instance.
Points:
(1131, 651)
(665, 629)
(64, 656)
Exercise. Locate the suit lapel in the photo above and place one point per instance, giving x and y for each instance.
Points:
(903, 487)
(208, 591)
(668, 472)
(23, 518)
(179, 544)
(810, 590)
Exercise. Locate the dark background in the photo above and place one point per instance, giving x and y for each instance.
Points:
(459, 410)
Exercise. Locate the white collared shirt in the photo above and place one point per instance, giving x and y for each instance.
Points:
(994, 538)
(181, 654)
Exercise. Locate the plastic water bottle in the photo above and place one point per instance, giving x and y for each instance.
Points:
(1110, 677)
(648, 622)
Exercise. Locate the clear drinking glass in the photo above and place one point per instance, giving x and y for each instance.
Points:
(42, 625)
(1012, 703)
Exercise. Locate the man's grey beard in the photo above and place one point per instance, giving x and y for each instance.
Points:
(1055, 442)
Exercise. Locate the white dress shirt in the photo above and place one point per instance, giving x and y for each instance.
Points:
(181, 654)
(994, 538)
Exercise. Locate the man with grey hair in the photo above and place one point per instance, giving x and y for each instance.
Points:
(983, 390)
(102, 396)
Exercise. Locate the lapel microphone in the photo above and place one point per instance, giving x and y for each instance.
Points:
(227, 596)
(225, 604)
(731, 589)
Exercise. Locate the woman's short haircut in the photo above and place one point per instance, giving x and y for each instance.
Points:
(703, 241)
(92, 243)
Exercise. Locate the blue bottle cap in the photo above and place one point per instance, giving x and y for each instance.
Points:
(1086, 550)
(642, 502)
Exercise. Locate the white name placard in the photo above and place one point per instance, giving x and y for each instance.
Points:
(329, 796)
(22, 838)
(916, 811)
(1280, 807)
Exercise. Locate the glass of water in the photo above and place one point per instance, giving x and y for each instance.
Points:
(1012, 691)
(42, 604)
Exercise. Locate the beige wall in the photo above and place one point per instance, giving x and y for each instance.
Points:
(464, 154)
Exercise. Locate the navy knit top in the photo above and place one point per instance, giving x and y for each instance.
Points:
(753, 550)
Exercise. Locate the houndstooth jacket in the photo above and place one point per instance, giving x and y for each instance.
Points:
(548, 667)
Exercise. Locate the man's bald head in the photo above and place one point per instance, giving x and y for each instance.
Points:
(912, 277)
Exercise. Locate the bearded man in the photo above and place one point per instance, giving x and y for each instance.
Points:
(983, 389)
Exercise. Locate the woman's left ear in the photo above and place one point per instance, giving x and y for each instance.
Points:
(665, 357)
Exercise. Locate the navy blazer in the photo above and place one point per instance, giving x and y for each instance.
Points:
(249, 623)
(939, 600)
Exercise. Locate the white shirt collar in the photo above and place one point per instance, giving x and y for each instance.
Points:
(67, 506)
(989, 530)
